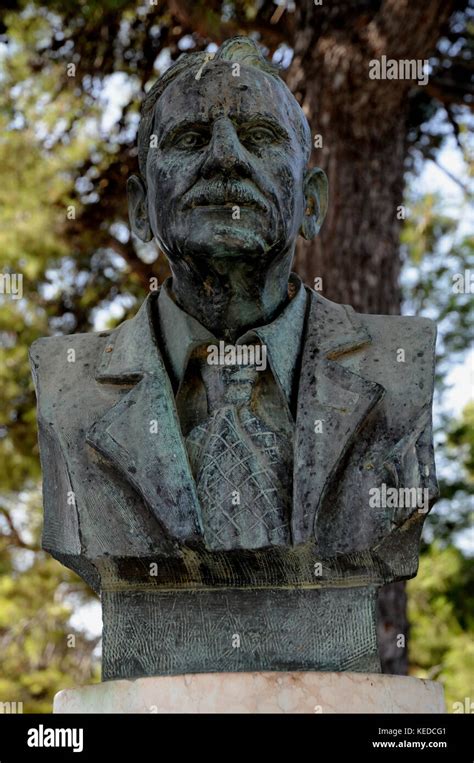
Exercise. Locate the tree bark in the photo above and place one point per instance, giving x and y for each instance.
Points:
(355, 254)
(363, 126)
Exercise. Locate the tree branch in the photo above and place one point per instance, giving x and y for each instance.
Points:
(14, 534)
(205, 19)
(449, 92)
(452, 177)
(137, 266)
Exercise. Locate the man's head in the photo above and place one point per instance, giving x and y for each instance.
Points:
(223, 151)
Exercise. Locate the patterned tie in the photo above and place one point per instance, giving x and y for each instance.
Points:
(242, 468)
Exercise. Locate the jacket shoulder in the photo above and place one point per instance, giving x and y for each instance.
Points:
(415, 335)
(401, 356)
(53, 350)
(397, 323)
(58, 360)
(48, 348)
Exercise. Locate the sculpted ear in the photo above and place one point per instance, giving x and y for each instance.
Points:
(316, 194)
(137, 208)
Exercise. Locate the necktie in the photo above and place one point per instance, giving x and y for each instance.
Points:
(241, 467)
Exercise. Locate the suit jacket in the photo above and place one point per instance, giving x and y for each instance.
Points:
(117, 486)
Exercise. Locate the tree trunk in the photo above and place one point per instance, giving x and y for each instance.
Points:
(355, 252)
(363, 124)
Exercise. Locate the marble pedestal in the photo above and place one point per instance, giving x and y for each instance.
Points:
(295, 692)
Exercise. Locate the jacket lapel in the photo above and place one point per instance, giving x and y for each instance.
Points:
(333, 403)
(140, 435)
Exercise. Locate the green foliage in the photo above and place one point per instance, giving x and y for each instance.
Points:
(438, 254)
(441, 613)
(441, 597)
(41, 653)
(35, 632)
(461, 440)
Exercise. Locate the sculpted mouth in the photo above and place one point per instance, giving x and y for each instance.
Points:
(224, 203)
(225, 194)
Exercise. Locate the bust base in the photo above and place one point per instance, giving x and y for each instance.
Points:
(183, 632)
(273, 692)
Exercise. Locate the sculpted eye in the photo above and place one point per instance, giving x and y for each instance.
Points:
(258, 136)
(189, 140)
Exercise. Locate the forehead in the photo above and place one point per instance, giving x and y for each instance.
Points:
(218, 92)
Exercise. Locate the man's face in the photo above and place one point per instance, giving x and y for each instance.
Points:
(226, 177)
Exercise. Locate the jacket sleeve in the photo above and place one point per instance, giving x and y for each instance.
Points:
(61, 529)
(410, 465)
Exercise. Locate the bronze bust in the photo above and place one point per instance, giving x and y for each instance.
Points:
(240, 466)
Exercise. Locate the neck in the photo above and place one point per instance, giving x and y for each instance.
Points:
(230, 296)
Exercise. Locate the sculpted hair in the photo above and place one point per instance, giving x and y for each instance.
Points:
(235, 50)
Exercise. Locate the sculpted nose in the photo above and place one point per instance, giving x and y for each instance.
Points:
(225, 153)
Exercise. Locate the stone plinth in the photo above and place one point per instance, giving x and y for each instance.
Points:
(295, 692)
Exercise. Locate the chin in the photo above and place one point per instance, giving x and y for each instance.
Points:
(228, 246)
(227, 240)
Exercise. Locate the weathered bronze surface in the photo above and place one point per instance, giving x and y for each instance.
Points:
(239, 513)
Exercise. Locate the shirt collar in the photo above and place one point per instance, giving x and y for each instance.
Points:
(182, 334)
